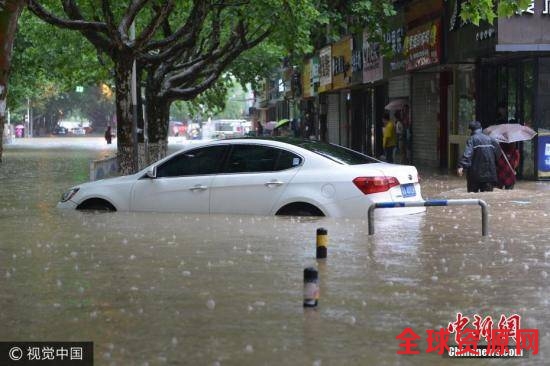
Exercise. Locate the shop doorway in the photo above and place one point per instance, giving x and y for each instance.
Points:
(511, 87)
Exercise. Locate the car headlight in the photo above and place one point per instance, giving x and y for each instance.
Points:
(69, 194)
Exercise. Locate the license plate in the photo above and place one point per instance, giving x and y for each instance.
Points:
(407, 190)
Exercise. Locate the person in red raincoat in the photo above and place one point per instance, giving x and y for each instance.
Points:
(505, 174)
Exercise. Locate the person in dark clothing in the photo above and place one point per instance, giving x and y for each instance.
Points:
(502, 114)
(479, 159)
(108, 135)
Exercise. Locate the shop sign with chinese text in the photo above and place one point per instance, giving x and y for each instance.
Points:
(307, 87)
(325, 69)
(423, 46)
(373, 62)
(341, 63)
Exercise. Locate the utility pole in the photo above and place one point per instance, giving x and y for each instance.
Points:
(28, 127)
(134, 103)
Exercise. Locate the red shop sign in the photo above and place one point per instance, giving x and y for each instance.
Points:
(423, 45)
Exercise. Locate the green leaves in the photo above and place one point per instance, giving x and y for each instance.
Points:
(48, 63)
(476, 11)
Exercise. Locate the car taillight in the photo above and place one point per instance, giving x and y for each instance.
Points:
(369, 185)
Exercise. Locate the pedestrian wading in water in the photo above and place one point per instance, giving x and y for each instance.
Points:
(479, 160)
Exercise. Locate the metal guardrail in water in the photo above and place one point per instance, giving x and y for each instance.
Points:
(103, 168)
(430, 203)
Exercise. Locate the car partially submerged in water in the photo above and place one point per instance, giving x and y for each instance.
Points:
(256, 176)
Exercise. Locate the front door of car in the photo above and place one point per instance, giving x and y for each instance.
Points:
(182, 183)
(253, 179)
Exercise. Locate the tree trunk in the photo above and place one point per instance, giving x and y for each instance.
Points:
(10, 10)
(158, 116)
(126, 149)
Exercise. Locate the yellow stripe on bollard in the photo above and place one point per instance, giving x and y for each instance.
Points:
(322, 243)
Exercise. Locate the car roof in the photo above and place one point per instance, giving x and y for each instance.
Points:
(277, 139)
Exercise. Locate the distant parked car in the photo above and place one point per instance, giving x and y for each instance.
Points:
(78, 131)
(271, 176)
(60, 130)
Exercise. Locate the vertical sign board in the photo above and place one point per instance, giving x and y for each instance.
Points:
(423, 46)
(357, 60)
(341, 63)
(325, 69)
(543, 154)
(373, 62)
(315, 75)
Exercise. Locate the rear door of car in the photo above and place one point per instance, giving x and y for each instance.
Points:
(253, 178)
(183, 183)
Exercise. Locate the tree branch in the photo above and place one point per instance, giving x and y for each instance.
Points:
(110, 22)
(78, 24)
(186, 35)
(160, 16)
(186, 90)
(95, 32)
(130, 15)
(192, 92)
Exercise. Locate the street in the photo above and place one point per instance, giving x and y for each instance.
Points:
(154, 289)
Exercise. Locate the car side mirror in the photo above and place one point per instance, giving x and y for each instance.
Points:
(152, 172)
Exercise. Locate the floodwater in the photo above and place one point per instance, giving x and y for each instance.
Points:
(171, 289)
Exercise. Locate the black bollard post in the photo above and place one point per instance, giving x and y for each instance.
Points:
(311, 287)
(322, 243)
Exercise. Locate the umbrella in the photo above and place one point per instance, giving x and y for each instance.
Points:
(270, 125)
(396, 104)
(19, 127)
(510, 132)
(281, 123)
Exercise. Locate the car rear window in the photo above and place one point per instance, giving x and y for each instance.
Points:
(337, 153)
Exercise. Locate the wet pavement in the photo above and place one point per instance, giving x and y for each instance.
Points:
(156, 289)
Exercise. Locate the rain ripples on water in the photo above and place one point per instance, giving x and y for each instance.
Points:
(155, 288)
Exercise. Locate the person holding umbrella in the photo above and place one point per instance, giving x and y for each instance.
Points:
(507, 164)
(479, 159)
(508, 134)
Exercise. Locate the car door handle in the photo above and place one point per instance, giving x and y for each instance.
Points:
(274, 183)
(198, 187)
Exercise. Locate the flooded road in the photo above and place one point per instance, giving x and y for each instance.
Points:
(170, 289)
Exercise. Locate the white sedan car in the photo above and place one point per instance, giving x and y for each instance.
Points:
(271, 176)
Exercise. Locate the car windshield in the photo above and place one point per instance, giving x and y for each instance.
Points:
(336, 153)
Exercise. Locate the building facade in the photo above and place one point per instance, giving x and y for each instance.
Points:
(442, 74)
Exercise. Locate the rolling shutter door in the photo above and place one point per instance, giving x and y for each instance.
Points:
(425, 108)
(399, 87)
(333, 117)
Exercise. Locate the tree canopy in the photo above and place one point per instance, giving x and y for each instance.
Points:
(190, 44)
(48, 64)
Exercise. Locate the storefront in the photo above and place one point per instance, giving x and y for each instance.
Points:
(360, 99)
(373, 77)
(310, 84)
(429, 84)
(341, 81)
(327, 104)
(523, 80)
(398, 85)
(465, 46)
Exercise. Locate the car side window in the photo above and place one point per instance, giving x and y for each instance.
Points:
(206, 160)
(287, 160)
(258, 158)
